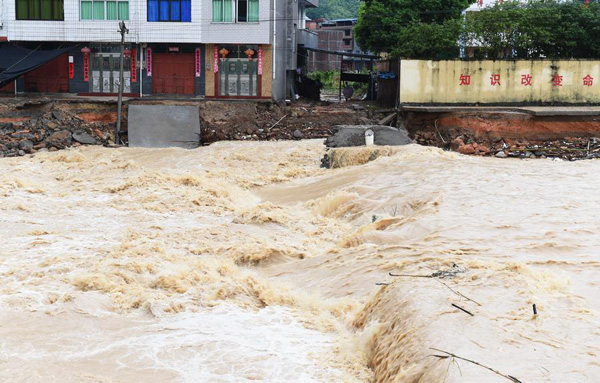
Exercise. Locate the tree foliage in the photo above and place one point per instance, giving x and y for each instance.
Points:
(411, 28)
(539, 28)
(334, 9)
(510, 29)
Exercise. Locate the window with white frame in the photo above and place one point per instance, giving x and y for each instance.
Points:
(170, 10)
(239, 11)
(104, 10)
(39, 10)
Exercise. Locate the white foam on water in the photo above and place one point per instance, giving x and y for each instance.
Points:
(223, 344)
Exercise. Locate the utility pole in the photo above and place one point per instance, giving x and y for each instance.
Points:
(122, 31)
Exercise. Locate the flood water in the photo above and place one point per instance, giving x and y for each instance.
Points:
(245, 262)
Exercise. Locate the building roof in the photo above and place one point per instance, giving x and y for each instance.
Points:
(486, 3)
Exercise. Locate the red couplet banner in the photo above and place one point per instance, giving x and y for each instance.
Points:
(86, 67)
(198, 62)
(149, 62)
(71, 68)
(134, 65)
(260, 63)
(216, 59)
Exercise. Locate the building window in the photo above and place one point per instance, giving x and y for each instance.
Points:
(246, 11)
(222, 11)
(347, 41)
(104, 10)
(170, 10)
(40, 10)
(347, 32)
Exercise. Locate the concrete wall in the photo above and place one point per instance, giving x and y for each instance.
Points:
(282, 46)
(470, 82)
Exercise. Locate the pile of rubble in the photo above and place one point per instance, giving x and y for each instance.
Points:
(54, 130)
(569, 148)
(271, 121)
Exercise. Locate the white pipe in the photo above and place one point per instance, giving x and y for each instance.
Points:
(139, 23)
(273, 52)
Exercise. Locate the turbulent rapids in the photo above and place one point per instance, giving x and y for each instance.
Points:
(245, 262)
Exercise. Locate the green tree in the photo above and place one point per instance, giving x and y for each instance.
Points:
(334, 9)
(539, 28)
(411, 28)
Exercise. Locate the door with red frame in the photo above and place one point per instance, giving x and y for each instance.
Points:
(52, 77)
(174, 73)
(8, 89)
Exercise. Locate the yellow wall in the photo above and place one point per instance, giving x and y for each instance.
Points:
(423, 81)
(209, 82)
(267, 74)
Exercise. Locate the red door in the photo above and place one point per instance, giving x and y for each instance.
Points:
(52, 77)
(8, 89)
(174, 73)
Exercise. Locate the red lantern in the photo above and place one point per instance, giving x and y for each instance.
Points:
(127, 53)
(249, 52)
(224, 52)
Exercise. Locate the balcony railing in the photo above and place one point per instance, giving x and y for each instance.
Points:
(307, 38)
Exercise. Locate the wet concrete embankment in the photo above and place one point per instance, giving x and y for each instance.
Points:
(565, 132)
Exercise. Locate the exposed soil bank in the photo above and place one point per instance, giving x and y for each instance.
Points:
(26, 128)
(508, 133)
(32, 119)
(27, 124)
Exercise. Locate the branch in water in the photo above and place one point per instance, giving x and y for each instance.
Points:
(411, 275)
(459, 293)
(463, 310)
(449, 354)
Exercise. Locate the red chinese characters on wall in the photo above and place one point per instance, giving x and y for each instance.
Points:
(198, 62)
(260, 61)
(216, 59)
(71, 68)
(134, 65)
(557, 80)
(149, 62)
(526, 79)
(86, 67)
(495, 79)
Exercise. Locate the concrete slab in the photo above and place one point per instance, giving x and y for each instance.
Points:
(162, 126)
(354, 135)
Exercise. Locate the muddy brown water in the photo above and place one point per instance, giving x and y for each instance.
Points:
(245, 262)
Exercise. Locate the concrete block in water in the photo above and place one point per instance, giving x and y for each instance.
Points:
(161, 126)
(354, 135)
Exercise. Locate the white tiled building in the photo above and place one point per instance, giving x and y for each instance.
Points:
(212, 48)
